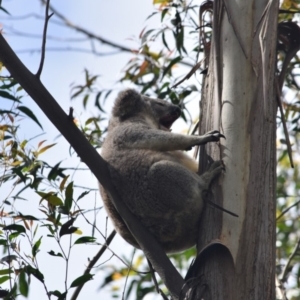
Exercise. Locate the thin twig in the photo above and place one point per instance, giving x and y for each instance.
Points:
(9, 262)
(127, 275)
(287, 209)
(12, 31)
(280, 290)
(47, 18)
(189, 74)
(104, 236)
(69, 49)
(153, 276)
(91, 35)
(287, 266)
(93, 262)
(158, 290)
(35, 262)
(286, 134)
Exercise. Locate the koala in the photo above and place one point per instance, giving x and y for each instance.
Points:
(154, 177)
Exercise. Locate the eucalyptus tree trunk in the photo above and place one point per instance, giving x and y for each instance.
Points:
(236, 255)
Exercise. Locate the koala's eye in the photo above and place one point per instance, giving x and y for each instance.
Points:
(159, 104)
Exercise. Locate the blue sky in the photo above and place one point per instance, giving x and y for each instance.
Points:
(118, 21)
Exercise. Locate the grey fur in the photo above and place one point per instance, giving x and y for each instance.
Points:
(157, 182)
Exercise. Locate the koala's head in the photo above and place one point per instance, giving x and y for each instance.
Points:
(132, 105)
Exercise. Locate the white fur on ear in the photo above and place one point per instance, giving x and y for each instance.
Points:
(127, 103)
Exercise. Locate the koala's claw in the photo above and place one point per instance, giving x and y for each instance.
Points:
(222, 136)
(216, 135)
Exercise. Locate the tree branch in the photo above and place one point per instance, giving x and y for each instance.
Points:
(287, 209)
(285, 130)
(33, 86)
(47, 18)
(86, 32)
(287, 266)
(69, 49)
(97, 37)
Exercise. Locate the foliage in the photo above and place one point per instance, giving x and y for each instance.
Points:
(22, 235)
(165, 53)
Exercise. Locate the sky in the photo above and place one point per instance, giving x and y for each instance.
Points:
(116, 20)
(119, 21)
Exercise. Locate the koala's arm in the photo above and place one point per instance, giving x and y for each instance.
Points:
(137, 137)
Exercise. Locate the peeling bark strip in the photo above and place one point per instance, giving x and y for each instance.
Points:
(240, 86)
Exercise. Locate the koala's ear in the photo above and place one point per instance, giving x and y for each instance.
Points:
(126, 104)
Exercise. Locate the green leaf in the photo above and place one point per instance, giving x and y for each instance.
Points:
(63, 182)
(85, 239)
(36, 246)
(45, 148)
(15, 227)
(7, 95)
(11, 83)
(35, 230)
(106, 95)
(97, 101)
(56, 171)
(69, 196)
(163, 13)
(85, 100)
(161, 1)
(26, 217)
(58, 294)
(171, 64)
(82, 195)
(55, 293)
(146, 35)
(35, 272)
(5, 271)
(164, 41)
(14, 235)
(67, 228)
(23, 284)
(30, 114)
(3, 279)
(4, 111)
(52, 253)
(82, 280)
(80, 90)
(51, 198)
(3, 242)
(8, 258)
(153, 14)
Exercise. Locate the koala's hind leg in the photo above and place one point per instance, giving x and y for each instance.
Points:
(175, 202)
(214, 170)
(173, 186)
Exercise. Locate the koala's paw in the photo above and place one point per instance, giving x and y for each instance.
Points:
(214, 171)
(214, 135)
(217, 167)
